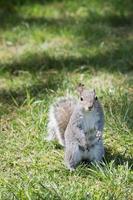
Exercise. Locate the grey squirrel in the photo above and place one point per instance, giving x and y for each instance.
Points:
(78, 126)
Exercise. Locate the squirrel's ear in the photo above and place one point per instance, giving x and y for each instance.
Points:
(80, 87)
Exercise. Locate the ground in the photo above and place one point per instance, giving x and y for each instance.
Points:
(46, 48)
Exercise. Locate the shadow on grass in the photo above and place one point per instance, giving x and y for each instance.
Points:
(118, 158)
(119, 59)
(14, 20)
(88, 25)
(117, 18)
(14, 3)
(12, 99)
(94, 29)
(121, 6)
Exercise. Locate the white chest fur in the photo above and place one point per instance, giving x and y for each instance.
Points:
(90, 120)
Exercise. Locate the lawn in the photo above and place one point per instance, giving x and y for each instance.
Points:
(46, 48)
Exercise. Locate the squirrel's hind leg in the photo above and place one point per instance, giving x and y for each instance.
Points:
(72, 157)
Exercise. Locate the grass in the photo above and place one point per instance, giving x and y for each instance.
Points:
(46, 48)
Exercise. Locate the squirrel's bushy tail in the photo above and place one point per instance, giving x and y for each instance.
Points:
(58, 119)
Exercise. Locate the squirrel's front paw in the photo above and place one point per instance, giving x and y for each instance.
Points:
(72, 169)
(99, 134)
(83, 144)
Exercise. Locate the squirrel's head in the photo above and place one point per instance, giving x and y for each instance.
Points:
(87, 97)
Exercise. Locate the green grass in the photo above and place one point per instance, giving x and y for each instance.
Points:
(46, 48)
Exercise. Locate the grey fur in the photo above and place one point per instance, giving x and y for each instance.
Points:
(58, 118)
(78, 126)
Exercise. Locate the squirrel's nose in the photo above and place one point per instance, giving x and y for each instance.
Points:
(90, 107)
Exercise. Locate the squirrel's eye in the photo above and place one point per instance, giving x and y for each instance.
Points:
(96, 98)
(81, 98)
